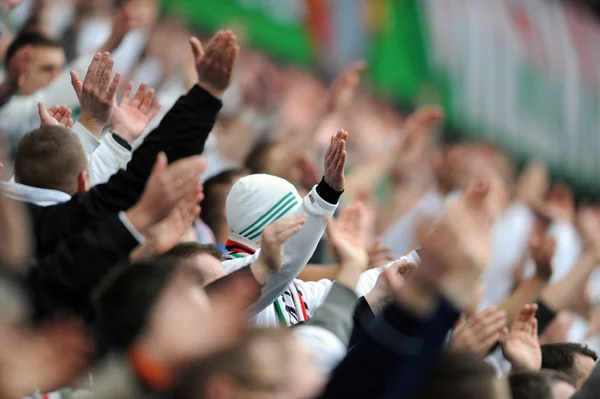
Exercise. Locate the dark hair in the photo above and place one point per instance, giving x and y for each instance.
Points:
(188, 250)
(34, 39)
(236, 362)
(561, 357)
(211, 212)
(50, 157)
(535, 384)
(257, 160)
(460, 376)
(124, 300)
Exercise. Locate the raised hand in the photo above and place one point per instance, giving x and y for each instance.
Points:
(163, 236)
(215, 65)
(379, 255)
(533, 184)
(165, 188)
(335, 161)
(344, 87)
(542, 248)
(55, 116)
(560, 205)
(347, 236)
(97, 93)
(479, 333)
(520, 345)
(131, 116)
(457, 249)
(390, 281)
(274, 237)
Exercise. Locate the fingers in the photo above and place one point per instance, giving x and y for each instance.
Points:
(488, 323)
(153, 109)
(65, 115)
(147, 101)
(111, 93)
(42, 110)
(139, 95)
(185, 173)
(284, 228)
(91, 72)
(160, 165)
(76, 83)
(102, 64)
(127, 93)
(197, 48)
(53, 110)
(476, 194)
(107, 73)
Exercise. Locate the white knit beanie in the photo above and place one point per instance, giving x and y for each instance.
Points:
(256, 201)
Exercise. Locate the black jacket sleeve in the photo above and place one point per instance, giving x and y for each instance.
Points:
(62, 282)
(363, 320)
(182, 133)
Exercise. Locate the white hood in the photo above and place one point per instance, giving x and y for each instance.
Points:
(34, 195)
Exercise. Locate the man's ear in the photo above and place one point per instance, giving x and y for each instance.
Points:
(83, 181)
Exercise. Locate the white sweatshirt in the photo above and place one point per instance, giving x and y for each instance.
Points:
(297, 250)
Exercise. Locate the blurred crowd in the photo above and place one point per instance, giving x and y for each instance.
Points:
(183, 217)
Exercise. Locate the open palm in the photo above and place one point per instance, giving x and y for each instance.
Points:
(521, 346)
(131, 116)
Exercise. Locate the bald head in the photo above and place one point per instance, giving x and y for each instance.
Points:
(52, 157)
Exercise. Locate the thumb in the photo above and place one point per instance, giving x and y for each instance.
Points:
(42, 110)
(503, 336)
(161, 164)
(197, 48)
(76, 83)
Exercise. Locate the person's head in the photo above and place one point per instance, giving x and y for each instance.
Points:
(213, 206)
(255, 202)
(463, 376)
(46, 61)
(266, 363)
(260, 158)
(52, 157)
(543, 384)
(205, 258)
(124, 301)
(575, 360)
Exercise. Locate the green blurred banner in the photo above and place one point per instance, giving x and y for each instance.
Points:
(525, 74)
(276, 26)
(521, 73)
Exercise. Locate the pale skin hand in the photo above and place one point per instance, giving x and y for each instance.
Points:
(389, 281)
(166, 186)
(342, 91)
(347, 236)
(478, 334)
(520, 345)
(163, 236)
(215, 64)
(132, 115)
(97, 93)
(25, 357)
(335, 161)
(55, 116)
(456, 251)
(274, 237)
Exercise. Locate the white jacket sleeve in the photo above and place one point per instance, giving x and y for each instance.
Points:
(510, 237)
(89, 142)
(568, 248)
(298, 249)
(107, 159)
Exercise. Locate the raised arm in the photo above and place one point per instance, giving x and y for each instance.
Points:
(182, 133)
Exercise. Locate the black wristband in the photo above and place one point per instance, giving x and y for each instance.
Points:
(327, 193)
(122, 141)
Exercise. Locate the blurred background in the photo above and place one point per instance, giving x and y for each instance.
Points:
(522, 74)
